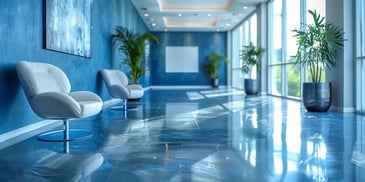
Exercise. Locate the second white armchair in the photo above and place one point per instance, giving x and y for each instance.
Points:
(117, 84)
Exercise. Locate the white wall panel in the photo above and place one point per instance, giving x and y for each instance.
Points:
(182, 59)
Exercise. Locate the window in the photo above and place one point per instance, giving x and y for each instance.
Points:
(242, 35)
(285, 77)
(236, 71)
(275, 72)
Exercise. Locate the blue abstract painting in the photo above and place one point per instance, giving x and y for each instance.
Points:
(68, 26)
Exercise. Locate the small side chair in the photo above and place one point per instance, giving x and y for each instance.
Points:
(118, 87)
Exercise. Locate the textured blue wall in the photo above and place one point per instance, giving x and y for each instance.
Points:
(205, 41)
(21, 39)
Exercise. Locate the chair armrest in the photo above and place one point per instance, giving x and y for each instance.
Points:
(81, 96)
(136, 91)
(89, 102)
(118, 91)
(55, 105)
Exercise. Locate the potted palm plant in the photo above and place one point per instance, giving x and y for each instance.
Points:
(250, 57)
(133, 46)
(212, 67)
(318, 44)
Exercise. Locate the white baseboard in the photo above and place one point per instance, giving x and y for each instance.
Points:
(183, 87)
(342, 109)
(17, 135)
(146, 88)
(111, 102)
(263, 93)
(25, 132)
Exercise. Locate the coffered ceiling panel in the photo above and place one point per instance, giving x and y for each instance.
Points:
(194, 15)
(191, 21)
(194, 5)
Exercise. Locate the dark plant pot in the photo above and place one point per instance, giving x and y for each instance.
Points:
(251, 86)
(317, 97)
(215, 82)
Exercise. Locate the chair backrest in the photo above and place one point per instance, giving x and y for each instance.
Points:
(114, 77)
(38, 78)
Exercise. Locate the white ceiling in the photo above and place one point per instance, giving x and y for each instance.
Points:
(194, 15)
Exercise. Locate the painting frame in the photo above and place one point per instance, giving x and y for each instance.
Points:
(67, 26)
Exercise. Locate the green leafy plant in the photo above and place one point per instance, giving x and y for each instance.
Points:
(251, 56)
(318, 45)
(133, 45)
(212, 67)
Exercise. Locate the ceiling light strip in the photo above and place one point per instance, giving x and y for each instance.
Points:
(164, 7)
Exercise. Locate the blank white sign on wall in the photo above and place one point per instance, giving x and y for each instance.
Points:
(182, 59)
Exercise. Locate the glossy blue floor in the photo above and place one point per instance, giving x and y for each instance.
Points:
(199, 135)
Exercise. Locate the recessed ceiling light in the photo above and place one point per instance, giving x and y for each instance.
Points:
(209, 14)
(244, 7)
(146, 14)
(228, 24)
(218, 30)
(165, 29)
(153, 24)
(179, 14)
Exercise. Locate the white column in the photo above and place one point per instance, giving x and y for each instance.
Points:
(262, 40)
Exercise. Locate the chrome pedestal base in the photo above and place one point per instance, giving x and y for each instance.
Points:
(65, 135)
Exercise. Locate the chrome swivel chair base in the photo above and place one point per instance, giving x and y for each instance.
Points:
(65, 135)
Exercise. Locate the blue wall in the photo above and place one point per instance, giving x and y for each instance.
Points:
(21, 39)
(206, 42)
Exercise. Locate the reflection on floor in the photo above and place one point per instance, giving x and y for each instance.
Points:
(200, 135)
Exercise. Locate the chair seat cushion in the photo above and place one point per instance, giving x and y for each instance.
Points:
(135, 91)
(90, 104)
(89, 108)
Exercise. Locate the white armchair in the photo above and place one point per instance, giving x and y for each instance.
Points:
(117, 84)
(47, 89)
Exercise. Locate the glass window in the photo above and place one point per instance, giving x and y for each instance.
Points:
(277, 32)
(245, 33)
(319, 6)
(235, 62)
(292, 71)
(285, 77)
(253, 30)
(275, 80)
(292, 22)
(293, 84)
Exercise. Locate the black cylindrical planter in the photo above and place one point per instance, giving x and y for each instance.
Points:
(317, 97)
(215, 82)
(251, 86)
